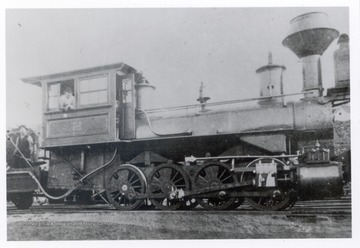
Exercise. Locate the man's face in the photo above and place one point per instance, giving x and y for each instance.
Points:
(22, 130)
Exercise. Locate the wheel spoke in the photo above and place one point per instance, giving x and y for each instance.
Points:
(228, 177)
(180, 186)
(122, 184)
(117, 194)
(211, 172)
(132, 176)
(124, 175)
(222, 174)
(201, 182)
(180, 179)
(121, 197)
(155, 187)
(155, 180)
(175, 174)
(267, 203)
(214, 175)
(162, 180)
(165, 174)
(135, 181)
(215, 171)
(112, 187)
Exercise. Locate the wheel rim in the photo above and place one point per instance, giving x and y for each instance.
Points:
(164, 181)
(281, 197)
(124, 184)
(213, 176)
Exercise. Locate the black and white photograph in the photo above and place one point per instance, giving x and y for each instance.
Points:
(180, 122)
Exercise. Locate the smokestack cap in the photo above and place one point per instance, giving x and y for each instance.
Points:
(310, 34)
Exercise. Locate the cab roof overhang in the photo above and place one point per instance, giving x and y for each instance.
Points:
(37, 80)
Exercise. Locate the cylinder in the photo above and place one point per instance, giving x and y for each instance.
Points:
(317, 181)
(342, 62)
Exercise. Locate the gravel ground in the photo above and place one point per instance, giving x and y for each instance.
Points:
(158, 225)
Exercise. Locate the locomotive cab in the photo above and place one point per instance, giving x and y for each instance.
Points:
(104, 105)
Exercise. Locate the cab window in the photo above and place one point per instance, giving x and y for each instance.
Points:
(94, 90)
(55, 90)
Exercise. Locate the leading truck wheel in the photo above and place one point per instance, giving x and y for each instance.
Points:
(123, 186)
(23, 200)
(281, 197)
(280, 201)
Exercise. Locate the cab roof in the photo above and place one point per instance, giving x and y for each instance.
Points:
(37, 80)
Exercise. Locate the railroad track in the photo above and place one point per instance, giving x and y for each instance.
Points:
(335, 208)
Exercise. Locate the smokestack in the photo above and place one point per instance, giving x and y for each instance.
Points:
(310, 35)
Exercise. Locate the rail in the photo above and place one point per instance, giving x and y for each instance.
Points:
(193, 159)
(222, 103)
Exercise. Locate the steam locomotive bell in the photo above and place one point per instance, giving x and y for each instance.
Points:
(271, 80)
(310, 35)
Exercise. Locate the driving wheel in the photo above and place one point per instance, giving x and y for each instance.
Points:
(166, 183)
(211, 177)
(124, 185)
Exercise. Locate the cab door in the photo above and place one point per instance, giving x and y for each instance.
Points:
(127, 104)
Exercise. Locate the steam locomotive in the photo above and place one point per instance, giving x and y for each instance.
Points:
(269, 151)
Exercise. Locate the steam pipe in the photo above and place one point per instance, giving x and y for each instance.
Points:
(163, 135)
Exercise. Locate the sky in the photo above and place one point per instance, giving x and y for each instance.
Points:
(175, 48)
